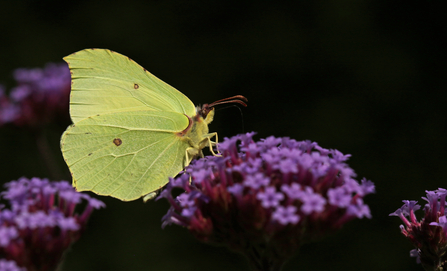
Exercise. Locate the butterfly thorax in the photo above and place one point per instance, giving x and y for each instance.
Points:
(197, 132)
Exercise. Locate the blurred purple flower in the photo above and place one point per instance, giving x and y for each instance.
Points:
(270, 198)
(286, 215)
(6, 265)
(267, 199)
(429, 235)
(41, 223)
(41, 96)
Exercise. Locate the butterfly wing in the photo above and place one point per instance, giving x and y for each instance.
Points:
(125, 155)
(104, 81)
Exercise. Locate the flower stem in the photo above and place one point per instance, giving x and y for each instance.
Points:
(260, 261)
(46, 154)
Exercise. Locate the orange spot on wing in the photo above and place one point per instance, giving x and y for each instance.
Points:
(117, 141)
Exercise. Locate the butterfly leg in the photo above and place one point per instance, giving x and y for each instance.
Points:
(191, 152)
(212, 143)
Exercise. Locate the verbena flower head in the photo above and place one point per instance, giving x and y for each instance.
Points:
(265, 198)
(41, 222)
(41, 95)
(429, 235)
(6, 265)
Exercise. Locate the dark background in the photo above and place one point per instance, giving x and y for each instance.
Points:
(365, 77)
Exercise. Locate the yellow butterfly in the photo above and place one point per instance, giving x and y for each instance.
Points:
(130, 131)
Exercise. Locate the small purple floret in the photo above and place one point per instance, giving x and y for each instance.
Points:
(286, 215)
(270, 198)
(236, 189)
(312, 202)
(256, 180)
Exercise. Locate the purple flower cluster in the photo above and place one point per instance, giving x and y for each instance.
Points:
(6, 265)
(266, 198)
(41, 222)
(41, 95)
(429, 236)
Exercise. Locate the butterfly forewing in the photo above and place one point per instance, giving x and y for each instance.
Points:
(104, 81)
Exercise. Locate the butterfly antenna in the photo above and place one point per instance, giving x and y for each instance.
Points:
(238, 99)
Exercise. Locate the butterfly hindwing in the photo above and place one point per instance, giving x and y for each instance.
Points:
(125, 154)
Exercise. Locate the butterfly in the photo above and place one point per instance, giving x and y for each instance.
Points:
(131, 131)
